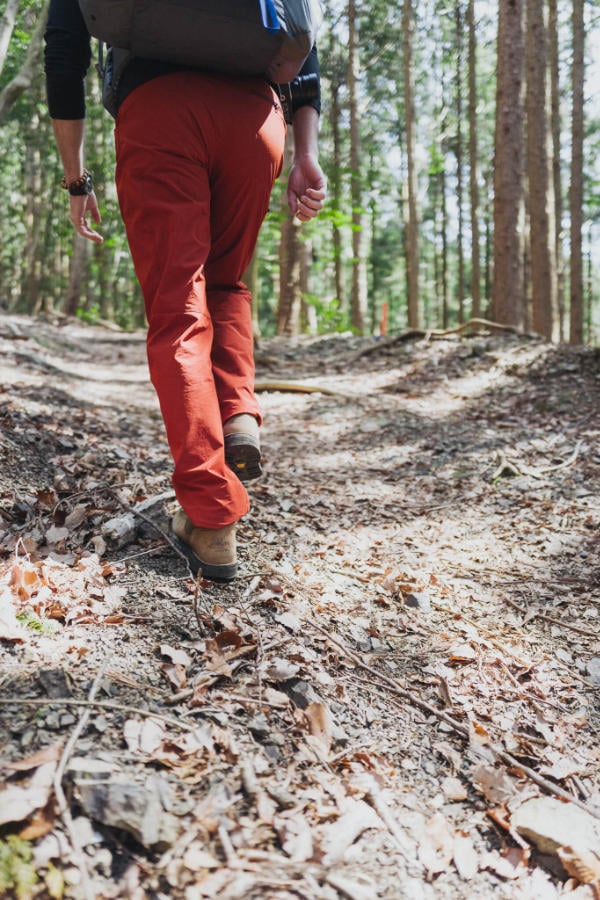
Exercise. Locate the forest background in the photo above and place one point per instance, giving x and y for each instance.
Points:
(461, 141)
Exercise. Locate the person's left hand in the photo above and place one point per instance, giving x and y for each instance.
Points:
(307, 188)
(80, 207)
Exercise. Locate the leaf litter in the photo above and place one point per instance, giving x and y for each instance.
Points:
(398, 698)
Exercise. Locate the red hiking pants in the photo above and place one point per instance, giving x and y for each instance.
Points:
(197, 156)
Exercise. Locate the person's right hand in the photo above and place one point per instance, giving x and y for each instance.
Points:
(80, 207)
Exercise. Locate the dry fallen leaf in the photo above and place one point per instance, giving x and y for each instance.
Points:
(356, 817)
(466, 859)
(437, 845)
(583, 864)
(321, 727)
(295, 835)
(495, 785)
(279, 669)
(177, 656)
(18, 802)
(462, 653)
(10, 627)
(144, 736)
(550, 823)
(454, 789)
(51, 753)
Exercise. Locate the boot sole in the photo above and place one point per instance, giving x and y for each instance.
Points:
(242, 455)
(220, 573)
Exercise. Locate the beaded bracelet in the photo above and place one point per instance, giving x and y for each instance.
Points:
(80, 186)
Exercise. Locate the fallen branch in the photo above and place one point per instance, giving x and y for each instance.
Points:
(416, 333)
(548, 786)
(539, 473)
(294, 387)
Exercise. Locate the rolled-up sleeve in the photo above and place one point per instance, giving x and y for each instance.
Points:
(67, 55)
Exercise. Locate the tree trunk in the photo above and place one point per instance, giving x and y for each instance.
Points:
(555, 128)
(473, 166)
(576, 190)
(7, 25)
(508, 166)
(337, 65)
(359, 275)
(543, 274)
(77, 275)
(29, 70)
(460, 279)
(444, 230)
(411, 220)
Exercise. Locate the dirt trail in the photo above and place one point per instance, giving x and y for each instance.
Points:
(407, 665)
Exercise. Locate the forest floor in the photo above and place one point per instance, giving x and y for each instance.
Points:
(399, 697)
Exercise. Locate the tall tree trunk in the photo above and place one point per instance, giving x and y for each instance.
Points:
(359, 274)
(473, 165)
(444, 231)
(31, 299)
(411, 215)
(555, 128)
(335, 186)
(7, 24)
(543, 274)
(508, 166)
(576, 190)
(460, 264)
(29, 70)
(77, 276)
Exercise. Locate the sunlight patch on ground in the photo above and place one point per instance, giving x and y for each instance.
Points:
(94, 386)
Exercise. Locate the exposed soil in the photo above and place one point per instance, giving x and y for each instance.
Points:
(409, 656)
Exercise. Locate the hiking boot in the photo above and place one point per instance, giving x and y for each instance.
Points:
(209, 551)
(242, 446)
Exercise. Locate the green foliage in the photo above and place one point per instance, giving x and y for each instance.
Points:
(330, 318)
(90, 315)
(37, 240)
(47, 627)
(17, 871)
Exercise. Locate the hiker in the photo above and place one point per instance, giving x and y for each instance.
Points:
(197, 156)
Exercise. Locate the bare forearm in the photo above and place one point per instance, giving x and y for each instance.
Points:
(306, 132)
(69, 135)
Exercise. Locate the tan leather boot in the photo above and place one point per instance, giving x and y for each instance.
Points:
(209, 551)
(242, 446)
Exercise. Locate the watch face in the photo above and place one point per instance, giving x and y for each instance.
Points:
(85, 187)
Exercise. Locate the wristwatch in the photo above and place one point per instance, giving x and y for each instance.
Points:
(81, 187)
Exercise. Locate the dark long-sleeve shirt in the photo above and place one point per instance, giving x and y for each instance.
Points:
(67, 59)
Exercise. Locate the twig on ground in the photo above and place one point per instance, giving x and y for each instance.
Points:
(98, 704)
(539, 473)
(506, 467)
(575, 675)
(534, 614)
(61, 799)
(536, 702)
(396, 688)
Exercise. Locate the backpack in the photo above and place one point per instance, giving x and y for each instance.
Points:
(242, 37)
